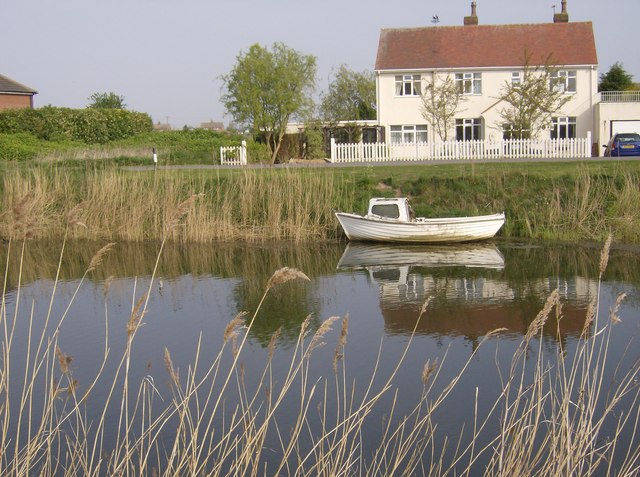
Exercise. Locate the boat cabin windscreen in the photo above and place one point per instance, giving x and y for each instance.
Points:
(390, 211)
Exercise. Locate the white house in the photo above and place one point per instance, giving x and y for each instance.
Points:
(482, 59)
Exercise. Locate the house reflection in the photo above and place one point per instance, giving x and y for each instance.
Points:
(470, 293)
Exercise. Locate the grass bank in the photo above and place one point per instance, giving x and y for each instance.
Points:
(559, 201)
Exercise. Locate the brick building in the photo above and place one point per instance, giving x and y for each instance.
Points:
(14, 95)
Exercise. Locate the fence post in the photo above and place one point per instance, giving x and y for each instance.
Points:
(333, 150)
(243, 153)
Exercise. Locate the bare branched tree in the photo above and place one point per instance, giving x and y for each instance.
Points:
(440, 102)
(532, 101)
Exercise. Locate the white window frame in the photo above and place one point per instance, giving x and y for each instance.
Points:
(564, 127)
(409, 134)
(516, 78)
(469, 83)
(565, 81)
(407, 85)
(468, 126)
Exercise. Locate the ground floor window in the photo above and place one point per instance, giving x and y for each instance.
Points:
(509, 131)
(563, 128)
(409, 133)
(468, 129)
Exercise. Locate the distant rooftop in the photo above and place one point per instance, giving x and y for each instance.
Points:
(7, 85)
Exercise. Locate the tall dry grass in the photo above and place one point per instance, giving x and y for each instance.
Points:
(551, 410)
(125, 206)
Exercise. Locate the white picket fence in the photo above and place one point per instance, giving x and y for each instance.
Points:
(449, 150)
(234, 155)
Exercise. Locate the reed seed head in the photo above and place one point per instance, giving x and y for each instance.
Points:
(24, 217)
(339, 352)
(615, 318)
(428, 370)
(64, 360)
(604, 254)
(284, 275)
(553, 300)
(168, 364)
(325, 327)
(273, 341)
(96, 260)
(136, 316)
(590, 315)
(231, 330)
(179, 211)
(75, 214)
(107, 284)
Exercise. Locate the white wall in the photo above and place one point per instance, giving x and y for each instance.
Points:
(403, 110)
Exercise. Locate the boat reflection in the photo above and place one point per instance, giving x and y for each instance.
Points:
(471, 294)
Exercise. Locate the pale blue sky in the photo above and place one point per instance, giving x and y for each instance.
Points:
(165, 57)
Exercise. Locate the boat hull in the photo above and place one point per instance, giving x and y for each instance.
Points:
(440, 230)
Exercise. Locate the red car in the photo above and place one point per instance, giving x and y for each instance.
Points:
(623, 144)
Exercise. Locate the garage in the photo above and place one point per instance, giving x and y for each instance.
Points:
(625, 126)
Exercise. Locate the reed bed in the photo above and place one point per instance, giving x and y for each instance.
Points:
(115, 205)
(551, 410)
(298, 204)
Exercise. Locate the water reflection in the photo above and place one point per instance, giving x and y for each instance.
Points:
(470, 289)
(475, 288)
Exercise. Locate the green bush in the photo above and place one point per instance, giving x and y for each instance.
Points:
(18, 147)
(90, 126)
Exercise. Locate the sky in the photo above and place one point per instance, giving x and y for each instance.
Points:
(166, 57)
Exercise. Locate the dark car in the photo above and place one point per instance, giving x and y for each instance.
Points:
(623, 144)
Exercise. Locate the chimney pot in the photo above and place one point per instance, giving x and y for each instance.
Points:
(473, 18)
(563, 16)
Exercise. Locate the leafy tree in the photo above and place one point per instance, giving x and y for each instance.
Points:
(106, 101)
(616, 79)
(351, 96)
(440, 103)
(266, 88)
(532, 101)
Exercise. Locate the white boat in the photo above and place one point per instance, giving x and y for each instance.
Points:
(392, 220)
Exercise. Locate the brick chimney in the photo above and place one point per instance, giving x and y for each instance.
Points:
(473, 18)
(563, 16)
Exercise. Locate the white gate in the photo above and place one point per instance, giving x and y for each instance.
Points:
(234, 155)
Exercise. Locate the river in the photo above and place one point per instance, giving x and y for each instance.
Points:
(417, 317)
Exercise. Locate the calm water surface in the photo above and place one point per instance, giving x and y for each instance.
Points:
(474, 289)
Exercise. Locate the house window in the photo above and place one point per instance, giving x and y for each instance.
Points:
(468, 129)
(409, 133)
(407, 85)
(563, 128)
(469, 83)
(564, 81)
(516, 78)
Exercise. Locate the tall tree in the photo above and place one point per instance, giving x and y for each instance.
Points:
(350, 97)
(532, 101)
(440, 102)
(106, 101)
(266, 88)
(616, 79)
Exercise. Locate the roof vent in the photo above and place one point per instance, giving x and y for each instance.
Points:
(473, 18)
(563, 16)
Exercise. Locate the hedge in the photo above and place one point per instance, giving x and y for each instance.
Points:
(90, 126)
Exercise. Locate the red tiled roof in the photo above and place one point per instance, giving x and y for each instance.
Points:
(486, 46)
